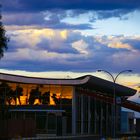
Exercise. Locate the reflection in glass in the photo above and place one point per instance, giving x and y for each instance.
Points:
(10, 95)
(33, 94)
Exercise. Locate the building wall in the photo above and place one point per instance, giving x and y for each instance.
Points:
(93, 116)
(127, 122)
(17, 128)
(83, 114)
(32, 97)
(138, 127)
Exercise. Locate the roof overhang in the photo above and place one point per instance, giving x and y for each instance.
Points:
(88, 81)
(36, 80)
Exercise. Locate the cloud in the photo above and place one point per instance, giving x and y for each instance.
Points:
(77, 19)
(121, 42)
(41, 5)
(71, 26)
(54, 14)
(12, 28)
(23, 18)
(30, 59)
(119, 45)
(134, 42)
(58, 43)
(122, 14)
(41, 49)
(48, 19)
(126, 60)
(81, 46)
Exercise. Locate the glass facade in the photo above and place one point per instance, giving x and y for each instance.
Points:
(93, 116)
(48, 105)
(31, 94)
(53, 107)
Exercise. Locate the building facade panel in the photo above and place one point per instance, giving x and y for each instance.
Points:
(59, 107)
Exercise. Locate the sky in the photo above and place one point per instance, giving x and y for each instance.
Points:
(71, 38)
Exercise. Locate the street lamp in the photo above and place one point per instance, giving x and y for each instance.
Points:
(114, 78)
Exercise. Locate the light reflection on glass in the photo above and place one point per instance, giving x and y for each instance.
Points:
(35, 94)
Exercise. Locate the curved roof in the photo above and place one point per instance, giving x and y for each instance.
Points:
(37, 80)
(87, 81)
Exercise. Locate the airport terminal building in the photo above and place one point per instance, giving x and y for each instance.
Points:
(60, 107)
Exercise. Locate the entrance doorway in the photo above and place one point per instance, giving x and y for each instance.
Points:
(50, 123)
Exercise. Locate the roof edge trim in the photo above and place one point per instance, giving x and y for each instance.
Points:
(35, 80)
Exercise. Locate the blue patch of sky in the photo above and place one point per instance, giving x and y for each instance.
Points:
(127, 25)
(116, 26)
(77, 19)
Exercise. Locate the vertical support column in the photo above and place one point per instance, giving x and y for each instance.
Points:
(109, 125)
(89, 115)
(101, 118)
(107, 120)
(24, 116)
(95, 115)
(118, 110)
(74, 112)
(82, 115)
(64, 126)
(112, 119)
(116, 119)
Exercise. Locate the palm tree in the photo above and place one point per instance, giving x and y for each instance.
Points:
(3, 87)
(3, 38)
(34, 94)
(9, 95)
(45, 98)
(17, 93)
(55, 99)
(5, 96)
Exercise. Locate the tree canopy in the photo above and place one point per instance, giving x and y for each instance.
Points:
(3, 38)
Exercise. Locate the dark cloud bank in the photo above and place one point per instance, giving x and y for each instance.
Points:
(30, 14)
(42, 5)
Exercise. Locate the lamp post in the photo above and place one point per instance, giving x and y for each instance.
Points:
(114, 78)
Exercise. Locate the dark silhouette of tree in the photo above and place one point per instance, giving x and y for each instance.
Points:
(34, 94)
(3, 87)
(45, 98)
(5, 91)
(55, 99)
(66, 101)
(7, 94)
(3, 38)
(63, 101)
(17, 93)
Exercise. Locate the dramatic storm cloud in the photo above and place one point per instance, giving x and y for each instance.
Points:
(42, 5)
(59, 35)
(69, 50)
